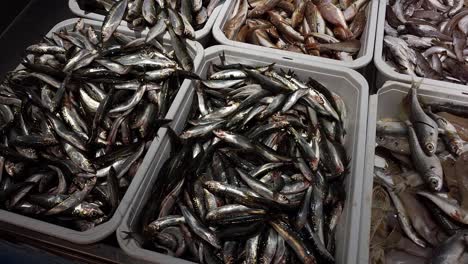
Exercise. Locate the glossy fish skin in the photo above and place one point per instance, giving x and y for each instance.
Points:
(78, 158)
(229, 214)
(199, 229)
(451, 136)
(447, 206)
(400, 144)
(248, 173)
(58, 123)
(160, 224)
(112, 21)
(452, 249)
(294, 23)
(65, 134)
(184, 16)
(404, 220)
(159, 28)
(35, 141)
(402, 53)
(73, 200)
(429, 166)
(181, 51)
(425, 127)
(149, 11)
(294, 241)
(261, 188)
(422, 26)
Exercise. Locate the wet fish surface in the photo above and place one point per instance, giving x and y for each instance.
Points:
(253, 176)
(329, 29)
(420, 194)
(186, 16)
(427, 39)
(88, 112)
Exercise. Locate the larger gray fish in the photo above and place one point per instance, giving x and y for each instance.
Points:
(448, 206)
(426, 128)
(451, 250)
(404, 220)
(429, 167)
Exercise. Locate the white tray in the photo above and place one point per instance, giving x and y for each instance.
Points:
(101, 231)
(364, 56)
(347, 83)
(385, 104)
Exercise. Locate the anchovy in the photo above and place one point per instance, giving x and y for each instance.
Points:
(112, 21)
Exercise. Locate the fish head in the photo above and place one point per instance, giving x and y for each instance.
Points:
(185, 135)
(210, 185)
(84, 225)
(313, 163)
(430, 147)
(89, 210)
(381, 140)
(220, 133)
(434, 181)
(281, 198)
(457, 148)
(94, 212)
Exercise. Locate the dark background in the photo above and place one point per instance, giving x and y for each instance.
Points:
(9, 11)
(23, 22)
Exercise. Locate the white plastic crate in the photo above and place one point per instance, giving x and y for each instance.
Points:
(385, 104)
(386, 73)
(363, 58)
(349, 84)
(103, 230)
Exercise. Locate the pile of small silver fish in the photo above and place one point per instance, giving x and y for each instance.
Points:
(257, 175)
(428, 38)
(77, 120)
(420, 196)
(185, 16)
(323, 28)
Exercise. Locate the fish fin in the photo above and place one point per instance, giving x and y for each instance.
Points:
(187, 74)
(347, 166)
(222, 57)
(163, 122)
(271, 66)
(128, 235)
(176, 141)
